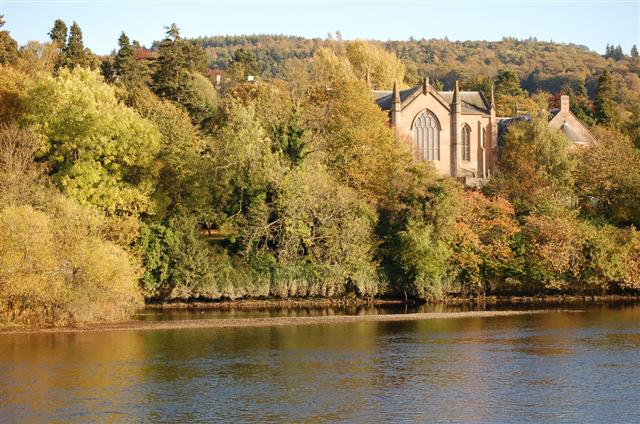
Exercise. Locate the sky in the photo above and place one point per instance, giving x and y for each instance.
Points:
(593, 23)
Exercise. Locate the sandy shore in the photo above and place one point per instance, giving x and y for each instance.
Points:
(273, 321)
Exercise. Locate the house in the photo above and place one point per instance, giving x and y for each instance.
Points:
(565, 121)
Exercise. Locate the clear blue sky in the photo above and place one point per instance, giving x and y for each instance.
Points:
(588, 22)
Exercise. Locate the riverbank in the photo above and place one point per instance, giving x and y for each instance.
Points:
(345, 302)
(272, 321)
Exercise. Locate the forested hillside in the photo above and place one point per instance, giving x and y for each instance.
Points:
(132, 176)
(541, 65)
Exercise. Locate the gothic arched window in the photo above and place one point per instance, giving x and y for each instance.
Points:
(426, 137)
(466, 143)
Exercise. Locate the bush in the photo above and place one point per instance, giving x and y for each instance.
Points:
(55, 269)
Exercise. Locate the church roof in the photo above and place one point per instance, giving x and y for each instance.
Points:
(385, 98)
(472, 101)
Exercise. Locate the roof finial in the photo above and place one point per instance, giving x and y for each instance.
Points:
(425, 85)
(396, 92)
(493, 101)
(456, 93)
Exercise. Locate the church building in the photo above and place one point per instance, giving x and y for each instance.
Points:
(456, 130)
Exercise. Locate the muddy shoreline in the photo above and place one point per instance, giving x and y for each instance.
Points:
(345, 302)
(272, 321)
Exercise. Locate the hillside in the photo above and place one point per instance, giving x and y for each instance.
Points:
(541, 65)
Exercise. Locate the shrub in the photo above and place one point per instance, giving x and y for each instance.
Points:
(55, 269)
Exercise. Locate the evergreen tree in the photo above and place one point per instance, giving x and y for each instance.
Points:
(74, 53)
(508, 82)
(180, 75)
(175, 58)
(605, 111)
(58, 33)
(244, 64)
(8, 46)
(634, 52)
(124, 67)
(608, 51)
(618, 54)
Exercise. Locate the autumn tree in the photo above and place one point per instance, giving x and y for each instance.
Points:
(360, 149)
(374, 62)
(608, 177)
(535, 171)
(8, 46)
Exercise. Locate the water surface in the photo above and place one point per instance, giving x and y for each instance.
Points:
(555, 367)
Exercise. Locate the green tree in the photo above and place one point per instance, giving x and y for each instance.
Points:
(124, 67)
(181, 187)
(180, 76)
(634, 53)
(98, 151)
(244, 63)
(74, 53)
(605, 110)
(58, 33)
(508, 83)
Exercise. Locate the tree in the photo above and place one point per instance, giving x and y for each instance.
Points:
(634, 53)
(74, 53)
(58, 33)
(244, 63)
(580, 105)
(507, 82)
(511, 98)
(535, 170)
(98, 151)
(124, 67)
(361, 151)
(8, 46)
(56, 269)
(608, 177)
(180, 76)
(181, 187)
(14, 85)
(605, 109)
(20, 175)
(380, 66)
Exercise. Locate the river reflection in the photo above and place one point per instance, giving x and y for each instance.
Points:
(555, 367)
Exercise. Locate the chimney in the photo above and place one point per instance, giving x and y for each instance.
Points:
(564, 103)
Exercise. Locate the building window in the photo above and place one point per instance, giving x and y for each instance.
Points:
(466, 143)
(426, 137)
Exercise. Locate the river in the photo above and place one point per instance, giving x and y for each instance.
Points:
(551, 367)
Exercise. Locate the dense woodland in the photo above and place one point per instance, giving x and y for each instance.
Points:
(131, 177)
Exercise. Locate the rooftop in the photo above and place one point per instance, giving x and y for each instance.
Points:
(472, 101)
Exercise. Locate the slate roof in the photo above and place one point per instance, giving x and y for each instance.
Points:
(385, 98)
(472, 101)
